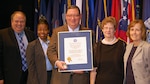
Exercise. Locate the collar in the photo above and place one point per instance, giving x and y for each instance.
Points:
(21, 33)
(76, 29)
(42, 42)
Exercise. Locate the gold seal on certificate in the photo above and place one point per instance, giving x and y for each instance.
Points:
(69, 59)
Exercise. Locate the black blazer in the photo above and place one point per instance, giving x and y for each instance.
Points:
(10, 59)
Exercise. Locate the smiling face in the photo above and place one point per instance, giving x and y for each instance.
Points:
(108, 26)
(18, 22)
(43, 31)
(108, 30)
(136, 32)
(73, 17)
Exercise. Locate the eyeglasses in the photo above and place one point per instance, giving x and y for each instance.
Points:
(73, 16)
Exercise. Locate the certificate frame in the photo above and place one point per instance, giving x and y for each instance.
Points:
(87, 36)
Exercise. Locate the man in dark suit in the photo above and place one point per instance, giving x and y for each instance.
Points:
(13, 70)
(73, 18)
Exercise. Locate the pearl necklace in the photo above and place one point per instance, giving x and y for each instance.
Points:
(109, 42)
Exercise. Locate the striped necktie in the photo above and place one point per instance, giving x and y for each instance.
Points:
(22, 52)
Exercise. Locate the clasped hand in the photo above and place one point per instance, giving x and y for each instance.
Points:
(60, 65)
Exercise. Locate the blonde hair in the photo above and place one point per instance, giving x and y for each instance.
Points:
(109, 19)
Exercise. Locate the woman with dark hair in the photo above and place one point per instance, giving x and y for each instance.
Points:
(39, 67)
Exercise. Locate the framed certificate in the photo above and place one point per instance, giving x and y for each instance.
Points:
(75, 48)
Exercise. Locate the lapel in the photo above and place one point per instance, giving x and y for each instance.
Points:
(39, 48)
(27, 35)
(13, 38)
(82, 28)
(138, 50)
(40, 56)
(65, 28)
(12, 35)
(128, 50)
(40, 59)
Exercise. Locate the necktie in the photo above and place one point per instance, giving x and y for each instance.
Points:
(22, 52)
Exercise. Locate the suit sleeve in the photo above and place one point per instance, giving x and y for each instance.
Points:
(30, 55)
(52, 48)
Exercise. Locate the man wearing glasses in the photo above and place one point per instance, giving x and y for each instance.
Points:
(73, 18)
